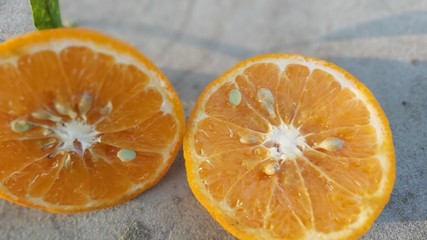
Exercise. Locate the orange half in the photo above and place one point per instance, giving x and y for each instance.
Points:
(86, 121)
(290, 147)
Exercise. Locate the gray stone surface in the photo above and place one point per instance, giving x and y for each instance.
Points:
(383, 43)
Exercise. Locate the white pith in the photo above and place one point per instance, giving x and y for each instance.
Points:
(72, 131)
(285, 142)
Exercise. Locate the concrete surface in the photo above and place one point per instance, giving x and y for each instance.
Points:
(383, 43)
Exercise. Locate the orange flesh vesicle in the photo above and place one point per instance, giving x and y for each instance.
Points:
(123, 110)
(320, 191)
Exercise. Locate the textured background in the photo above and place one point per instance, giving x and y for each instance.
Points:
(383, 43)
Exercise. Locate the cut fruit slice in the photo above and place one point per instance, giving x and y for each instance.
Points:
(290, 147)
(86, 121)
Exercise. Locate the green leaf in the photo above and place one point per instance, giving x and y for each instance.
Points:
(46, 14)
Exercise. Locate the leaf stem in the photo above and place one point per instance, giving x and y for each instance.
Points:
(46, 14)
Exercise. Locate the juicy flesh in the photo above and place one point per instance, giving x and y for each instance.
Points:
(72, 160)
(312, 188)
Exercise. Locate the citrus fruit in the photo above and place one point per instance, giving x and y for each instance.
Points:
(86, 121)
(290, 147)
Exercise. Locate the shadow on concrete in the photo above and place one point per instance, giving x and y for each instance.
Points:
(183, 37)
(401, 89)
(410, 23)
(182, 80)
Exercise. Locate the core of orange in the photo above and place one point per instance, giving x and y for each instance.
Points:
(86, 121)
(284, 146)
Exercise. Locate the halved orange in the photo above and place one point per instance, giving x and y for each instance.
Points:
(86, 121)
(290, 147)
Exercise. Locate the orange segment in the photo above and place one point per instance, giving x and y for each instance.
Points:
(86, 121)
(255, 77)
(354, 140)
(138, 170)
(358, 175)
(243, 114)
(149, 136)
(334, 209)
(27, 153)
(17, 100)
(292, 83)
(68, 187)
(290, 147)
(133, 112)
(36, 71)
(249, 197)
(89, 72)
(289, 215)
